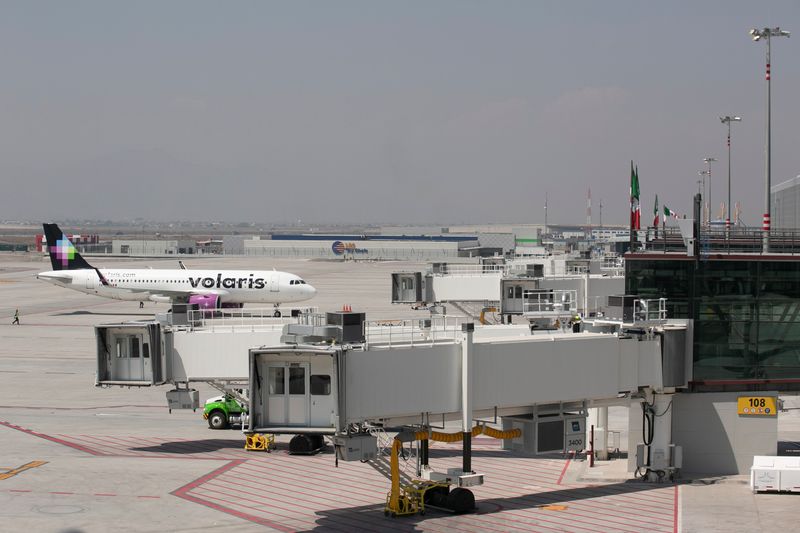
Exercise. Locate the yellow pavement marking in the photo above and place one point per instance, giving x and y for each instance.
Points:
(552, 507)
(27, 466)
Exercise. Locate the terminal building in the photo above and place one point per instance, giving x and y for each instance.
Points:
(746, 313)
(742, 292)
(786, 204)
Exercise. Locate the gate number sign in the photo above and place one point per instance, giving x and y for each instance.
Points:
(757, 406)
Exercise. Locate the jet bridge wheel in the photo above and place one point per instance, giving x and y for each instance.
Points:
(217, 420)
(437, 496)
(461, 500)
(306, 444)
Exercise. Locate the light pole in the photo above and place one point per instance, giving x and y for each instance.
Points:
(727, 120)
(545, 217)
(768, 34)
(708, 161)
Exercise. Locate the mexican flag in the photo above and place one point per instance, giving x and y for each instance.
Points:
(655, 213)
(636, 213)
(669, 213)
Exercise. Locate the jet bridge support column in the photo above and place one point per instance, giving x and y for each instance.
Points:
(598, 417)
(466, 394)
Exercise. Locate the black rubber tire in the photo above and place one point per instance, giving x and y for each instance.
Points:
(436, 496)
(277, 314)
(461, 500)
(217, 420)
(306, 444)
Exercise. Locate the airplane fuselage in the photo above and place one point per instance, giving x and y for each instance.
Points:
(234, 287)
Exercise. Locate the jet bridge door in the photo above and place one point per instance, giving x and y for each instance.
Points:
(287, 394)
(131, 358)
(407, 287)
(274, 282)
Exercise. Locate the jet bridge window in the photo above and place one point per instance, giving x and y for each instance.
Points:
(297, 381)
(134, 347)
(320, 385)
(276, 380)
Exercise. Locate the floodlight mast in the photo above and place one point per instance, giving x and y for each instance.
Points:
(757, 35)
(708, 161)
(727, 120)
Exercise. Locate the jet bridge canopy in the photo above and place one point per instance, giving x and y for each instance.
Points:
(132, 354)
(294, 389)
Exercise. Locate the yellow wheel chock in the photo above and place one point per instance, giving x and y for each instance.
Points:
(259, 443)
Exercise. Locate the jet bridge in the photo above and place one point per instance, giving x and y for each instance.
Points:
(339, 376)
(308, 387)
(514, 290)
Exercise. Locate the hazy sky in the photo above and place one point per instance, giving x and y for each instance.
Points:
(405, 112)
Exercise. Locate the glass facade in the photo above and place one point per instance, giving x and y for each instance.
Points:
(746, 311)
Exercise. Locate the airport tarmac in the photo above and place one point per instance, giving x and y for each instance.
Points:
(80, 458)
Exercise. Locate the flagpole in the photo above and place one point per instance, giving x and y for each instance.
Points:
(630, 209)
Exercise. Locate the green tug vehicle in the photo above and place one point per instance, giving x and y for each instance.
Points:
(223, 411)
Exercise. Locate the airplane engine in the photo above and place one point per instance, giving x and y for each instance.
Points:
(207, 302)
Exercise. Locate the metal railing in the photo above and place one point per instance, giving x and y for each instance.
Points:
(554, 301)
(247, 318)
(414, 332)
(650, 310)
(721, 241)
(469, 270)
(635, 310)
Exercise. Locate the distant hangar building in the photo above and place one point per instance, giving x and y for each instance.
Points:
(376, 247)
(379, 248)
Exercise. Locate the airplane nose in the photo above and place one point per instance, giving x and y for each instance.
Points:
(311, 291)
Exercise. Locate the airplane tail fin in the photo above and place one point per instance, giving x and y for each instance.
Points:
(63, 254)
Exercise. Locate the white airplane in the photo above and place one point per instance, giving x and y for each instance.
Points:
(209, 289)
